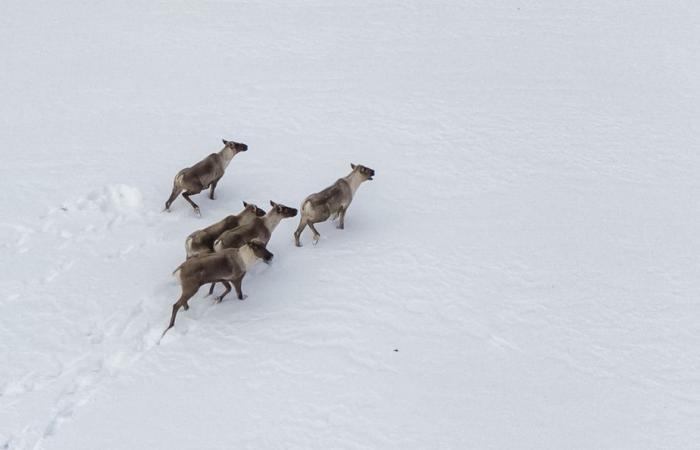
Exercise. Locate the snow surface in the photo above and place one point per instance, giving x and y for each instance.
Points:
(522, 272)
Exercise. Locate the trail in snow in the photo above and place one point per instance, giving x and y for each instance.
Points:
(79, 230)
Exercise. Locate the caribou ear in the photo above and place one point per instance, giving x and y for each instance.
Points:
(353, 166)
(273, 204)
(225, 141)
(245, 205)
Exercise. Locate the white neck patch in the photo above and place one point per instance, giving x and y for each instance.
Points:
(354, 180)
(247, 256)
(227, 155)
(272, 219)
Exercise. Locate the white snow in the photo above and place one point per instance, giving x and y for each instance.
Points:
(521, 273)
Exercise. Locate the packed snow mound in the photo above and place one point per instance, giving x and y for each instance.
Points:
(116, 199)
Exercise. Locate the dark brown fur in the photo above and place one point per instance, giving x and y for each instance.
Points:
(202, 241)
(331, 202)
(226, 266)
(203, 175)
(258, 230)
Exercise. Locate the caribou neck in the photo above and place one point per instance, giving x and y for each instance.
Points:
(248, 257)
(227, 155)
(354, 180)
(245, 218)
(271, 220)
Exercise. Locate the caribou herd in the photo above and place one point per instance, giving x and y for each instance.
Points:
(224, 251)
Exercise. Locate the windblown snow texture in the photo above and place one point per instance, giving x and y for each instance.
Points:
(522, 272)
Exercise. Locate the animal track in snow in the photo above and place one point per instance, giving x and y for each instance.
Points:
(84, 229)
(126, 337)
(16, 237)
(53, 273)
